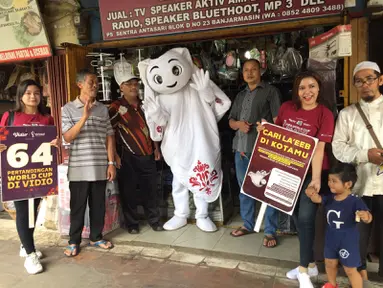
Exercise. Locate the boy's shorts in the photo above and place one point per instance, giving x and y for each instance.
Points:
(343, 245)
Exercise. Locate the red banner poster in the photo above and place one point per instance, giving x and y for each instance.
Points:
(133, 19)
(29, 164)
(278, 167)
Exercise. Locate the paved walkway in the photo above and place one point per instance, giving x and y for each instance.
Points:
(97, 269)
(143, 264)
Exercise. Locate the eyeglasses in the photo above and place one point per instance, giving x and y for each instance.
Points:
(359, 82)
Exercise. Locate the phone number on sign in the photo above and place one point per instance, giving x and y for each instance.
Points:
(312, 10)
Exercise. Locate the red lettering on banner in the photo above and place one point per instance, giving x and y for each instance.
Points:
(128, 19)
(25, 54)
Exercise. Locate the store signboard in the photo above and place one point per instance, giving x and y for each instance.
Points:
(29, 164)
(278, 167)
(23, 35)
(336, 43)
(132, 19)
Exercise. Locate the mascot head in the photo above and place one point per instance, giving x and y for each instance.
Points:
(168, 73)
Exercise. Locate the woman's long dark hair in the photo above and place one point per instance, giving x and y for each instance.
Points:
(297, 81)
(21, 88)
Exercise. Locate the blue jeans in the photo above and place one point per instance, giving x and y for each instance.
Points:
(247, 204)
(304, 217)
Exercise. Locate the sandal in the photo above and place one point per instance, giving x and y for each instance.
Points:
(242, 232)
(99, 244)
(270, 239)
(73, 249)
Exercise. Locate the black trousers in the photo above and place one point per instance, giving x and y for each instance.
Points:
(22, 224)
(80, 193)
(375, 204)
(139, 170)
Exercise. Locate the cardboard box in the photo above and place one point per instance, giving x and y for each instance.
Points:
(336, 43)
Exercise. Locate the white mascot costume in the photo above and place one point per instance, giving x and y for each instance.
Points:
(182, 107)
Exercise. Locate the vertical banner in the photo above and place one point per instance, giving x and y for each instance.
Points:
(29, 164)
(278, 167)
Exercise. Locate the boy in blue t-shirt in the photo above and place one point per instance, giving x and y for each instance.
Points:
(343, 211)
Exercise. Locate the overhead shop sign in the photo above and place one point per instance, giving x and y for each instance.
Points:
(132, 19)
(23, 35)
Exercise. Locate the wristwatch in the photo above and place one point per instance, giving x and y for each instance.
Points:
(112, 163)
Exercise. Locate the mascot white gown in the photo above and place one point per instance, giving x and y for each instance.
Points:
(182, 107)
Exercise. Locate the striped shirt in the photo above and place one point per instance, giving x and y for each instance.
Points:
(132, 133)
(88, 157)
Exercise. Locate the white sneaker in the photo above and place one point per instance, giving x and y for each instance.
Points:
(175, 223)
(293, 274)
(32, 264)
(304, 281)
(24, 254)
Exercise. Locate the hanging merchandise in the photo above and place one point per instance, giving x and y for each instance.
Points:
(276, 62)
(231, 59)
(141, 89)
(253, 54)
(262, 60)
(17, 74)
(207, 54)
(104, 75)
(197, 61)
(220, 47)
(121, 68)
(327, 70)
(291, 62)
(230, 70)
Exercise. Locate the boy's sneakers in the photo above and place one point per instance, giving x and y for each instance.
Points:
(329, 285)
(293, 274)
(32, 264)
(24, 254)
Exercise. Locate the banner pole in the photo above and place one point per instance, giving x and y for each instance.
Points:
(31, 212)
(260, 217)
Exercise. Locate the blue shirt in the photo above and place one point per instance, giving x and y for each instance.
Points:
(341, 214)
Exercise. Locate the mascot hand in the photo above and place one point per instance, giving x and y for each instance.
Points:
(151, 106)
(152, 109)
(200, 80)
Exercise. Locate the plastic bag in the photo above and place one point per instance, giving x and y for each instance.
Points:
(112, 207)
(291, 62)
(327, 71)
(276, 61)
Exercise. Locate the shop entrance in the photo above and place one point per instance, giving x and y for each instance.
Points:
(281, 55)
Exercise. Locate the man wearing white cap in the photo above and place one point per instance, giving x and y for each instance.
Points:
(136, 154)
(358, 140)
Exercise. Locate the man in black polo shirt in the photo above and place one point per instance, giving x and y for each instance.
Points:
(258, 101)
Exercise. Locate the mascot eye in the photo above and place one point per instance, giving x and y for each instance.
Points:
(157, 79)
(177, 70)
